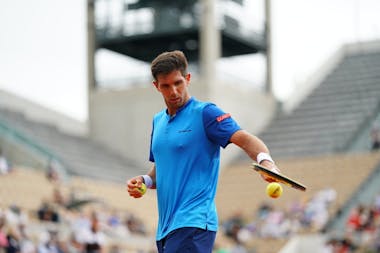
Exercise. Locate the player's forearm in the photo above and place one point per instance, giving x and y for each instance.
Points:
(251, 144)
(152, 174)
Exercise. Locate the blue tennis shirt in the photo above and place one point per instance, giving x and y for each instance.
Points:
(186, 151)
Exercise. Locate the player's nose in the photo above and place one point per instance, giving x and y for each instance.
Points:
(173, 91)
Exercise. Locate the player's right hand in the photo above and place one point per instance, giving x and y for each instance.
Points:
(133, 185)
(273, 168)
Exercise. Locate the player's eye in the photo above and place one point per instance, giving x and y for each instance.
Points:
(178, 83)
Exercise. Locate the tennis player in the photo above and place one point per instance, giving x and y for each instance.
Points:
(185, 152)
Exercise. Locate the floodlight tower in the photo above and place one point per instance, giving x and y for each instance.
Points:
(147, 27)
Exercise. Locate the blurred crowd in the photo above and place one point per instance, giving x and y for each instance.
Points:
(54, 229)
(273, 223)
(362, 231)
(76, 223)
(72, 223)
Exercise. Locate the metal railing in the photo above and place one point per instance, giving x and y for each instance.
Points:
(32, 148)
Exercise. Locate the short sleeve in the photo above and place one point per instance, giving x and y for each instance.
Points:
(219, 126)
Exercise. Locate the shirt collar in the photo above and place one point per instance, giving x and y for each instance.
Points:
(181, 108)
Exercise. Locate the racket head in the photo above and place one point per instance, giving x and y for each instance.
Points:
(278, 177)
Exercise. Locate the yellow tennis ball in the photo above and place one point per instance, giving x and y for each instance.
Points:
(274, 190)
(142, 189)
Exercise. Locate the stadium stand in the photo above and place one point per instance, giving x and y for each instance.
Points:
(26, 190)
(242, 193)
(330, 131)
(334, 114)
(79, 155)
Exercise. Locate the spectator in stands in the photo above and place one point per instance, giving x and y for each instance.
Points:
(185, 150)
(113, 219)
(263, 211)
(51, 243)
(375, 137)
(5, 166)
(232, 225)
(3, 233)
(272, 224)
(268, 222)
(116, 226)
(13, 238)
(73, 245)
(355, 221)
(47, 212)
(377, 203)
(239, 248)
(15, 215)
(93, 239)
(58, 197)
(316, 212)
(335, 245)
(52, 171)
(376, 239)
(363, 225)
(79, 222)
(26, 243)
(135, 225)
(330, 246)
(318, 207)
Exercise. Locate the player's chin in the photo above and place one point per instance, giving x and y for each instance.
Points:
(178, 103)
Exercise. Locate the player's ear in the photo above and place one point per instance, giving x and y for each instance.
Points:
(155, 83)
(188, 77)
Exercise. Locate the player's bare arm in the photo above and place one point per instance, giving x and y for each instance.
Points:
(253, 146)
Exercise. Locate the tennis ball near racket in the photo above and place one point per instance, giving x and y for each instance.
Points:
(274, 190)
(142, 189)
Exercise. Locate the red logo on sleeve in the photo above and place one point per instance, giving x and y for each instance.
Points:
(223, 117)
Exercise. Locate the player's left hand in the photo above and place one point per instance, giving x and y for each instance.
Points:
(272, 167)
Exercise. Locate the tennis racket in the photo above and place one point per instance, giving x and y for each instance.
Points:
(278, 177)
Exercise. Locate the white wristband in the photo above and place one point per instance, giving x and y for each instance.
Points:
(264, 156)
(147, 181)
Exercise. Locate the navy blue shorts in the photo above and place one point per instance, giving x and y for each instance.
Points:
(189, 239)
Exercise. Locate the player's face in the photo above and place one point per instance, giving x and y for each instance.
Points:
(174, 89)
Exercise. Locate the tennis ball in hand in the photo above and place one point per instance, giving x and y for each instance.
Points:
(142, 189)
(274, 190)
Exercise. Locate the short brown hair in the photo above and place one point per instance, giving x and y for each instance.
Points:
(169, 61)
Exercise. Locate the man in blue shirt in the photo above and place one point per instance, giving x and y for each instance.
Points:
(185, 152)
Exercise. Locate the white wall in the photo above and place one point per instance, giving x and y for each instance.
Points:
(43, 53)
